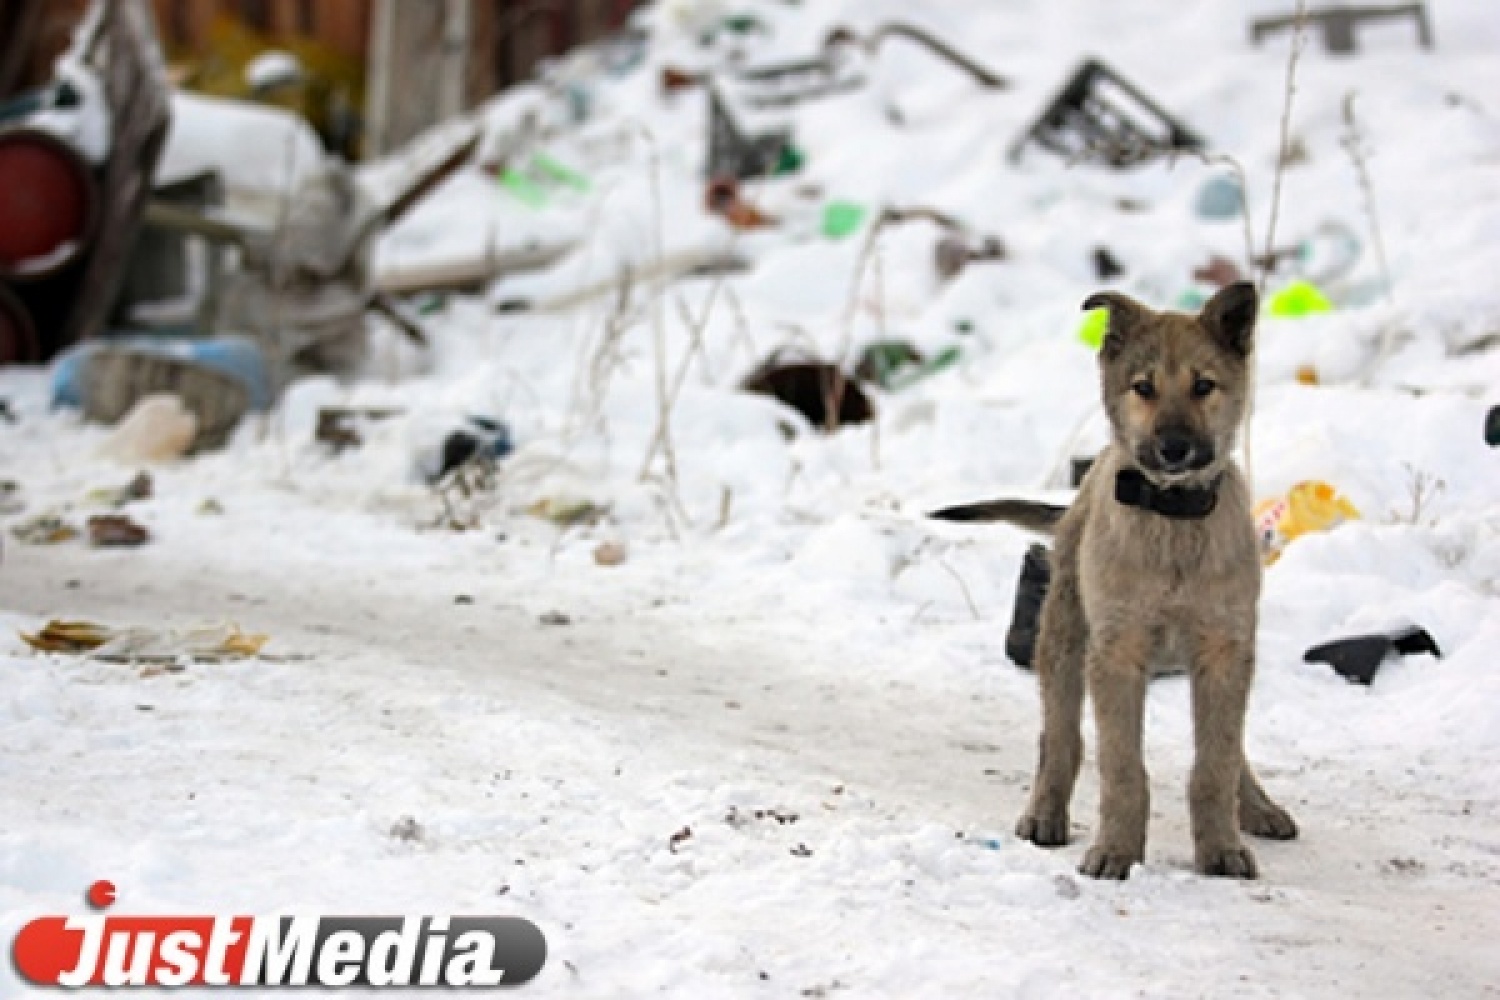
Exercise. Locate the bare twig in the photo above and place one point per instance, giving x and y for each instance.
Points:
(1422, 488)
(1246, 224)
(660, 437)
(833, 390)
(1353, 143)
(742, 333)
(673, 513)
(851, 305)
(686, 315)
(726, 507)
(1299, 38)
(664, 397)
(968, 597)
(598, 360)
(1283, 152)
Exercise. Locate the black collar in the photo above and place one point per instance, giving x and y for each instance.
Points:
(1133, 489)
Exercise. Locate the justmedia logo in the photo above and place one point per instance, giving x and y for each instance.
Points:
(331, 952)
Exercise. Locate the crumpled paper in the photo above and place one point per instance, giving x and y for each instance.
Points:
(205, 644)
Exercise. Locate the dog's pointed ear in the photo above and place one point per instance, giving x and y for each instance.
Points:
(1230, 316)
(1125, 316)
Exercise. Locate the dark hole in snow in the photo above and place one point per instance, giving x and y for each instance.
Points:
(819, 391)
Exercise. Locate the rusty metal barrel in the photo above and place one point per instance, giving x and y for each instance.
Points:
(49, 204)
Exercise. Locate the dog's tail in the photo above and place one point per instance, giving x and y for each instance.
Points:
(1030, 515)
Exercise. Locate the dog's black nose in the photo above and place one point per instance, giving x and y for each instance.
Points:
(1174, 450)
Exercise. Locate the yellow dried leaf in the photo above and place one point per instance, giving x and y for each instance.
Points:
(46, 529)
(68, 637)
(566, 511)
(244, 643)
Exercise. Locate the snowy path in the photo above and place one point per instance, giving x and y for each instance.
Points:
(793, 667)
(550, 759)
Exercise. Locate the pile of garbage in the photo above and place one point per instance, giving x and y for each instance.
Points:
(151, 244)
(687, 147)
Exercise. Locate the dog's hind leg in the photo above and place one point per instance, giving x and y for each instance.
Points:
(1059, 666)
(1259, 816)
(1222, 666)
(1118, 661)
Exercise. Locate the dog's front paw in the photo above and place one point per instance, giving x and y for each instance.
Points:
(1267, 820)
(1101, 862)
(1229, 862)
(1044, 830)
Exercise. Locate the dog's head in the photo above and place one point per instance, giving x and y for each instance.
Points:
(1175, 385)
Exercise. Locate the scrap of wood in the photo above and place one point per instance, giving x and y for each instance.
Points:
(402, 318)
(117, 38)
(982, 75)
(464, 272)
(665, 271)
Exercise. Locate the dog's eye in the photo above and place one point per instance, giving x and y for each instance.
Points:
(1202, 387)
(1143, 388)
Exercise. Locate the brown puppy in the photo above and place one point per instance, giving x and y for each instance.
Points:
(1156, 559)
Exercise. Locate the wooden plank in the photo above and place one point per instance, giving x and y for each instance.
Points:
(120, 43)
(474, 271)
(417, 69)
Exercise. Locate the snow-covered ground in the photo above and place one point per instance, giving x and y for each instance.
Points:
(791, 664)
